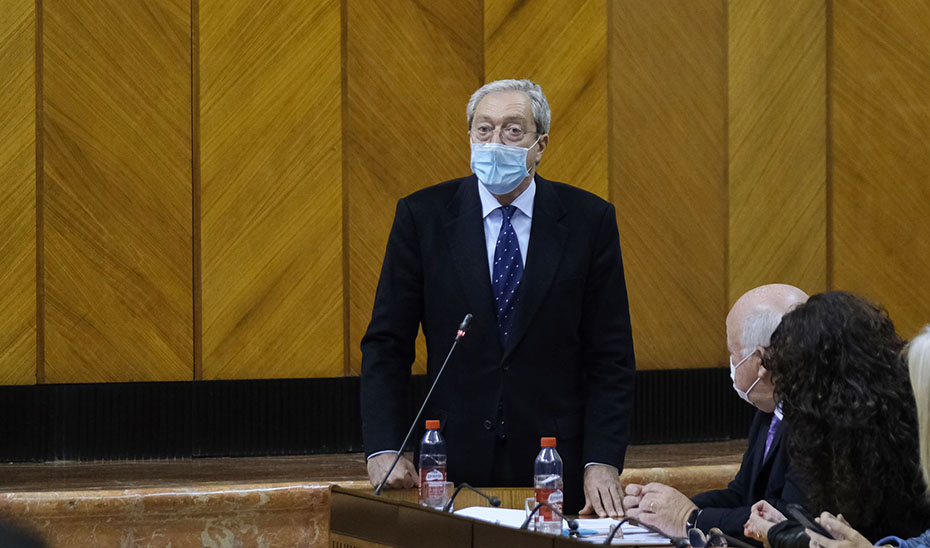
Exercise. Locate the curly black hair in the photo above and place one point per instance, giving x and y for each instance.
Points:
(843, 385)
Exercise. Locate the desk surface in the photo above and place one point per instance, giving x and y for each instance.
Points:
(309, 468)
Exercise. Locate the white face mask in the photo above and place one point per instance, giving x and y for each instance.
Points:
(733, 368)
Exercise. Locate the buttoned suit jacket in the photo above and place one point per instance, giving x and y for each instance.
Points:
(567, 369)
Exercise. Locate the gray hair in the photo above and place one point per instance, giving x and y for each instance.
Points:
(758, 328)
(541, 112)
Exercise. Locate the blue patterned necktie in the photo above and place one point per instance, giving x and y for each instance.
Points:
(507, 273)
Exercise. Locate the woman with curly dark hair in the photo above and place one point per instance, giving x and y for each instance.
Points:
(852, 423)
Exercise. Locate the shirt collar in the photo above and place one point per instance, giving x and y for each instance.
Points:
(524, 201)
(778, 412)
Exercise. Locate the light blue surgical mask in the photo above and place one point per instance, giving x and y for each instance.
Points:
(500, 168)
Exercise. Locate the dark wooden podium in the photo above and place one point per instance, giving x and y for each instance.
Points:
(359, 520)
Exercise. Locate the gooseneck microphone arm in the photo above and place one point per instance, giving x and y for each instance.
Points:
(492, 500)
(463, 328)
(731, 541)
(677, 541)
(572, 524)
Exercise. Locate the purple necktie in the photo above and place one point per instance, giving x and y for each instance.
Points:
(507, 273)
(771, 435)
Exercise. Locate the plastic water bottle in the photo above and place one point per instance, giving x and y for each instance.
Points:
(548, 471)
(433, 467)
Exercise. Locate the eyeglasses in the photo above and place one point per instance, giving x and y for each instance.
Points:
(510, 134)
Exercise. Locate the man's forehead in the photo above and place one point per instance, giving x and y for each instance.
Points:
(509, 104)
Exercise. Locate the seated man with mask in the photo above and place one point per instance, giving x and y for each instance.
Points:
(763, 472)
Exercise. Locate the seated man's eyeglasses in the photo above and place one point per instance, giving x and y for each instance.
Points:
(510, 134)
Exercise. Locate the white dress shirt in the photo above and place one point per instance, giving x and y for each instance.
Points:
(521, 220)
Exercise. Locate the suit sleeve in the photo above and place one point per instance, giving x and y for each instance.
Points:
(389, 344)
(727, 509)
(608, 350)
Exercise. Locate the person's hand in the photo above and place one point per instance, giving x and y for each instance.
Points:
(661, 506)
(603, 493)
(404, 475)
(844, 536)
(633, 496)
(762, 517)
(768, 512)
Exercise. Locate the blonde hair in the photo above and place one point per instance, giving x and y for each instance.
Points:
(918, 362)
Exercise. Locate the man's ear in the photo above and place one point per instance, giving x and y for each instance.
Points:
(541, 147)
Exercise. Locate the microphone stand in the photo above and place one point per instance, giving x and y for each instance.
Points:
(458, 336)
(731, 541)
(614, 531)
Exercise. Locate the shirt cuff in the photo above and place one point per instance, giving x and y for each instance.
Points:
(598, 464)
(376, 453)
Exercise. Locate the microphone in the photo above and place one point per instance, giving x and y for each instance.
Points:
(494, 501)
(614, 531)
(463, 328)
(572, 523)
(731, 541)
(677, 541)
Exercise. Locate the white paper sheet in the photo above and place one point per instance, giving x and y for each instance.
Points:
(592, 530)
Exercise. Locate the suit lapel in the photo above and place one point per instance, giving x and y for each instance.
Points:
(547, 240)
(465, 234)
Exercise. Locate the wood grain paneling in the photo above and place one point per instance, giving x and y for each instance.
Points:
(668, 160)
(118, 190)
(271, 201)
(881, 154)
(777, 141)
(411, 67)
(17, 193)
(562, 46)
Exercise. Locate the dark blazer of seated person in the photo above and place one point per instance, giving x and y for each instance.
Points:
(758, 478)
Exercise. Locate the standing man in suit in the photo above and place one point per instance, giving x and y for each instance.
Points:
(763, 473)
(550, 350)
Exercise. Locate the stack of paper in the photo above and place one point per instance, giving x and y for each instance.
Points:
(591, 530)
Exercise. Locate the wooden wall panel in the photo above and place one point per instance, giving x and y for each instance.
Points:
(562, 46)
(271, 136)
(778, 144)
(668, 160)
(17, 193)
(410, 69)
(117, 130)
(881, 154)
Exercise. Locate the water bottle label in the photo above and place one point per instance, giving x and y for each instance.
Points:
(433, 487)
(553, 497)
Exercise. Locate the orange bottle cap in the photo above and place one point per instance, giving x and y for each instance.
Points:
(432, 425)
(547, 442)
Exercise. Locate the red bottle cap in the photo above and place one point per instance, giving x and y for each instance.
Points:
(547, 442)
(432, 425)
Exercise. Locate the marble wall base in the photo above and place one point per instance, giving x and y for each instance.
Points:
(206, 516)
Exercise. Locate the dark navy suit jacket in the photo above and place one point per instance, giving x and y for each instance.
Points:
(567, 369)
